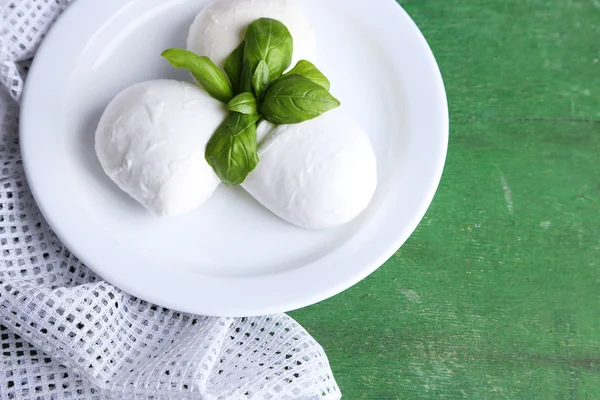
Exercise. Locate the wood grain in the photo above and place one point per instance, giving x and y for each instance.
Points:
(497, 293)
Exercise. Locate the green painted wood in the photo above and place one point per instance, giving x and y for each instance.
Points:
(497, 293)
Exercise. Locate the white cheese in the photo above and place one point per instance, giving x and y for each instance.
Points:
(220, 27)
(150, 141)
(317, 174)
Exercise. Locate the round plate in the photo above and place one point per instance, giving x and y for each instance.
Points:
(231, 257)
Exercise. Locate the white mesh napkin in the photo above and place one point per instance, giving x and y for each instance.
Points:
(66, 334)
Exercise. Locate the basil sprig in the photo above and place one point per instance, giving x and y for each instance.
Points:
(260, 79)
(295, 98)
(269, 41)
(308, 70)
(257, 88)
(231, 150)
(243, 103)
(204, 71)
(234, 64)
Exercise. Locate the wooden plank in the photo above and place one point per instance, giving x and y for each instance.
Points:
(497, 294)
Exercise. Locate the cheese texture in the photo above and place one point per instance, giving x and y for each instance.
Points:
(317, 174)
(150, 141)
(220, 27)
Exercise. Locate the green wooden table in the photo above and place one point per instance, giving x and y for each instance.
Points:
(497, 293)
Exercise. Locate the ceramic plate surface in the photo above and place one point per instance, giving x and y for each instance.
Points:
(231, 257)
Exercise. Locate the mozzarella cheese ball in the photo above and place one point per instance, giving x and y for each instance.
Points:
(316, 174)
(150, 141)
(220, 27)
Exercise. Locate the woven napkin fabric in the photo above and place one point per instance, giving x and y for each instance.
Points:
(67, 334)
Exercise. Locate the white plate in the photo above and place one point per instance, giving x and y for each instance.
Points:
(231, 257)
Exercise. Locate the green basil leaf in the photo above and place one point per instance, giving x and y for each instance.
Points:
(308, 70)
(243, 103)
(270, 41)
(231, 151)
(295, 98)
(260, 80)
(234, 65)
(204, 70)
(246, 80)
